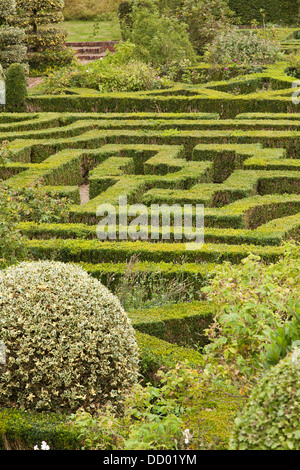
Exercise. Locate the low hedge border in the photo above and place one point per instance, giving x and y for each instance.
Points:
(262, 235)
(182, 324)
(95, 251)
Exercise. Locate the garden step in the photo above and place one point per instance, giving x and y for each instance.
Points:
(89, 50)
(103, 45)
(90, 57)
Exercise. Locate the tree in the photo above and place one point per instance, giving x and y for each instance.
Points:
(46, 46)
(204, 18)
(35, 13)
(160, 40)
(7, 9)
(12, 47)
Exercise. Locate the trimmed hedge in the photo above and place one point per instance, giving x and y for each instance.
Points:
(276, 11)
(94, 251)
(182, 324)
(156, 353)
(20, 430)
(16, 91)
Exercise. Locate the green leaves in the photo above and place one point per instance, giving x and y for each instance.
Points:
(270, 418)
(251, 302)
(69, 342)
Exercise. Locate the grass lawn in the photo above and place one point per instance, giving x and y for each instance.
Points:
(84, 31)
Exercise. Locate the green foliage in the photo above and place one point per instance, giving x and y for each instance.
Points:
(12, 47)
(116, 72)
(48, 61)
(283, 338)
(293, 68)
(16, 89)
(204, 20)
(125, 18)
(27, 204)
(12, 246)
(34, 13)
(36, 205)
(250, 300)
(269, 11)
(232, 46)
(155, 417)
(68, 341)
(160, 40)
(5, 153)
(7, 9)
(138, 289)
(270, 419)
(46, 45)
(44, 39)
(23, 430)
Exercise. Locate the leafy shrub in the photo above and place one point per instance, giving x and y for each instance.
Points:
(68, 341)
(156, 416)
(293, 68)
(16, 90)
(232, 46)
(160, 40)
(12, 246)
(42, 42)
(36, 205)
(250, 300)
(7, 8)
(125, 18)
(204, 20)
(50, 38)
(41, 62)
(283, 338)
(30, 204)
(5, 153)
(12, 47)
(118, 72)
(270, 11)
(270, 419)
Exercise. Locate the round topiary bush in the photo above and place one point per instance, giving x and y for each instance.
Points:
(16, 90)
(271, 418)
(69, 343)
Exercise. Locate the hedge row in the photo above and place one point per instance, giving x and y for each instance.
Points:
(51, 128)
(276, 11)
(94, 251)
(41, 144)
(244, 213)
(225, 98)
(182, 324)
(262, 235)
(228, 107)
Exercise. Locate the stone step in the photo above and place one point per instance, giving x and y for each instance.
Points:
(103, 46)
(90, 57)
(89, 50)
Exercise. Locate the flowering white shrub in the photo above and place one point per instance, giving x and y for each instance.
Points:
(68, 341)
(234, 47)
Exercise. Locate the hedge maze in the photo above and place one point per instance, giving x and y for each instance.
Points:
(241, 163)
